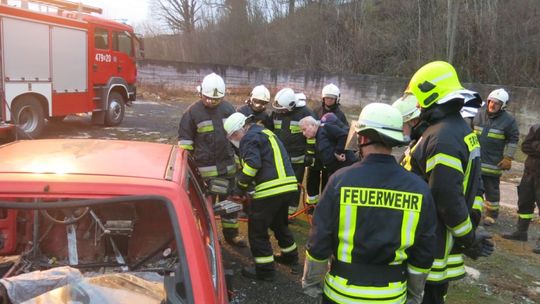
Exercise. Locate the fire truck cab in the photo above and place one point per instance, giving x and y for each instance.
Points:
(57, 59)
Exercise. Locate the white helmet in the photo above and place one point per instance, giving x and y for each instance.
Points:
(260, 92)
(301, 98)
(213, 86)
(381, 122)
(501, 95)
(331, 91)
(234, 123)
(285, 99)
(407, 105)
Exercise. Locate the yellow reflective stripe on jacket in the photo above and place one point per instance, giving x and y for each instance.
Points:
(186, 144)
(298, 159)
(229, 225)
(474, 151)
(277, 124)
(264, 260)
(311, 258)
(526, 216)
(417, 270)
(205, 126)
(289, 249)
(449, 268)
(275, 191)
(462, 229)
(496, 136)
(249, 171)
(491, 169)
(340, 291)
(409, 224)
(311, 141)
(406, 162)
(444, 159)
(278, 158)
(472, 142)
(346, 230)
(209, 171)
(478, 203)
(295, 127)
(275, 182)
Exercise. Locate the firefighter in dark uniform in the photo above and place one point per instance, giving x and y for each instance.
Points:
(376, 219)
(447, 156)
(256, 106)
(286, 117)
(267, 170)
(201, 132)
(498, 134)
(529, 187)
(330, 153)
(330, 103)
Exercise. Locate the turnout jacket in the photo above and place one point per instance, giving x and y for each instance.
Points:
(262, 118)
(447, 157)
(378, 222)
(321, 110)
(286, 127)
(498, 134)
(531, 147)
(331, 139)
(201, 132)
(264, 164)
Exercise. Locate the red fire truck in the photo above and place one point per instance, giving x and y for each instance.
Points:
(57, 59)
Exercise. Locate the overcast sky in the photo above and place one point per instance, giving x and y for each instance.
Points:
(131, 10)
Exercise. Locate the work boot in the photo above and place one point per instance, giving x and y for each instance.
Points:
(521, 233)
(252, 273)
(290, 260)
(537, 249)
(237, 241)
(491, 217)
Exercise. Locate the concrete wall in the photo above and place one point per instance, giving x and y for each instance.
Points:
(356, 90)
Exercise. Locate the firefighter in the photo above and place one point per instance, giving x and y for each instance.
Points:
(266, 169)
(407, 105)
(286, 117)
(256, 106)
(330, 103)
(376, 219)
(447, 156)
(529, 187)
(498, 134)
(330, 153)
(201, 133)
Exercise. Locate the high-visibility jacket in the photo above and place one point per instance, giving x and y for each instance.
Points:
(330, 140)
(447, 156)
(287, 128)
(498, 134)
(321, 110)
(262, 118)
(265, 165)
(201, 132)
(377, 220)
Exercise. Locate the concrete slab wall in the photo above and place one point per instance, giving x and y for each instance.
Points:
(356, 90)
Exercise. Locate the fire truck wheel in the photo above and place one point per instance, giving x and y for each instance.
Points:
(115, 110)
(28, 116)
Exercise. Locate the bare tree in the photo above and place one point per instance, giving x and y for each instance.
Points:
(180, 15)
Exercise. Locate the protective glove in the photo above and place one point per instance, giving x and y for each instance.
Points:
(415, 287)
(482, 245)
(309, 160)
(505, 163)
(313, 277)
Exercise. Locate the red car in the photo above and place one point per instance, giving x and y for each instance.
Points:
(110, 208)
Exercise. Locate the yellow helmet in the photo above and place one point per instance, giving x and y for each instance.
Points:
(434, 83)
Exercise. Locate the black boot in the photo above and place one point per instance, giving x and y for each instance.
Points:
(237, 241)
(521, 233)
(259, 274)
(290, 260)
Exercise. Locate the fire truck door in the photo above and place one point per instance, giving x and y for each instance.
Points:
(103, 65)
(124, 52)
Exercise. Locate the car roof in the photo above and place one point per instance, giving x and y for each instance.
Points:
(86, 157)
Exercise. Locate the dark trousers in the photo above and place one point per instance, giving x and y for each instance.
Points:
(269, 213)
(435, 293)
(299, 173)
(528, 194)
(316, 182)
(491, 187)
